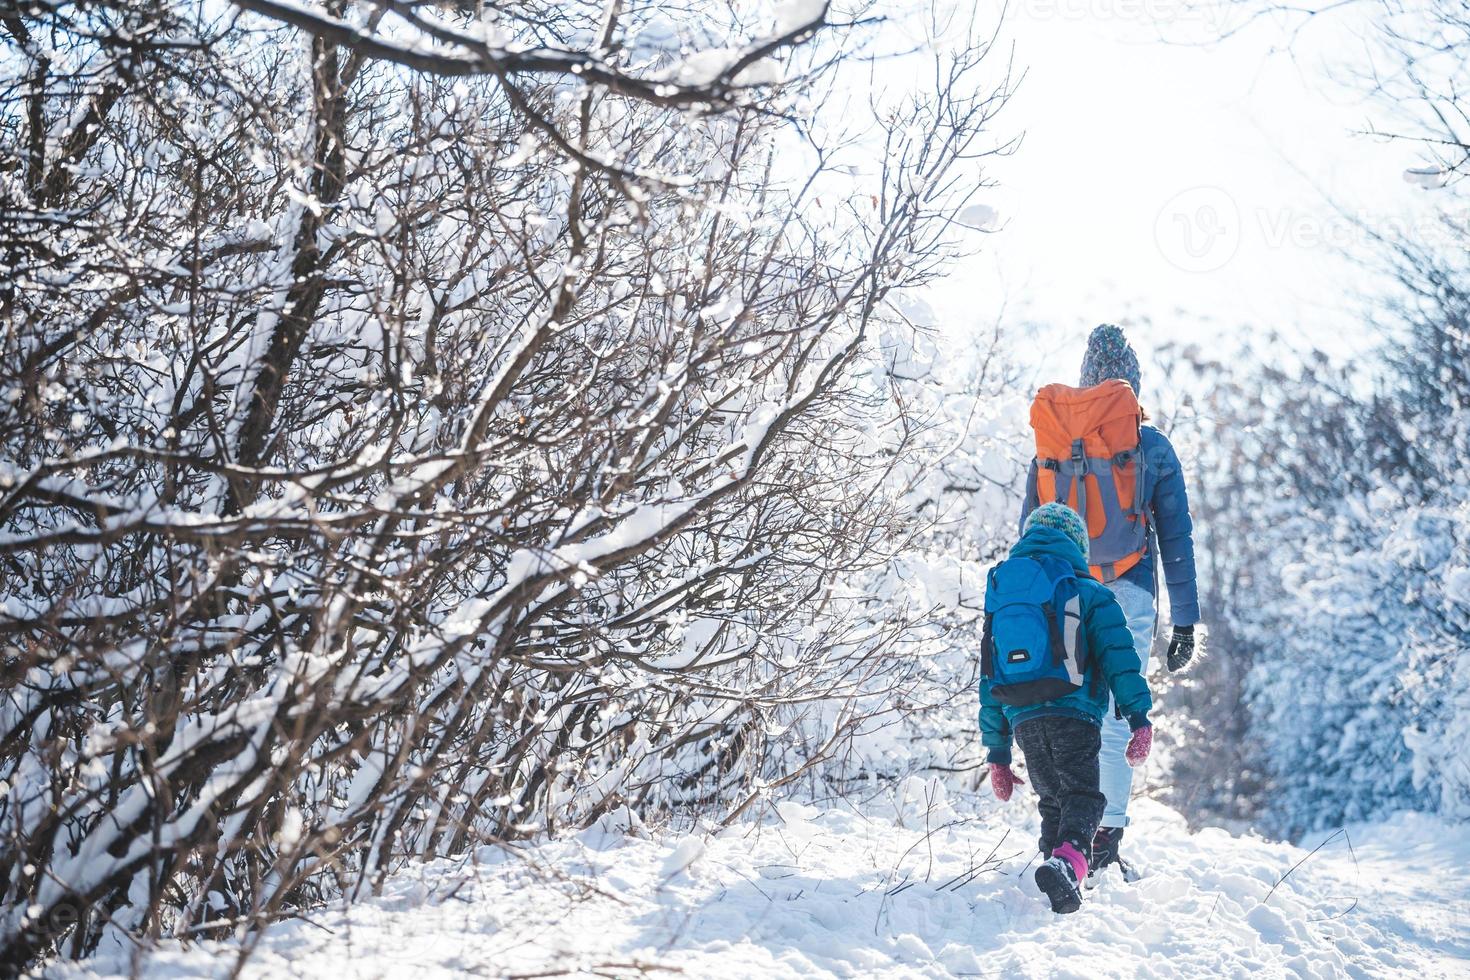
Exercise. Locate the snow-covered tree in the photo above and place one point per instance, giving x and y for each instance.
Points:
(1333, 517)
(1334, 496)
(426, 424)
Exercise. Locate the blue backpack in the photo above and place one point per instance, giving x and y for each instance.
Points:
(1034, 646)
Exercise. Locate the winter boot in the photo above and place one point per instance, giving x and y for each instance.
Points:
(1058, 876)
(1105, 852)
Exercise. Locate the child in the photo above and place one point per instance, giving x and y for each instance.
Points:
(1055, 644)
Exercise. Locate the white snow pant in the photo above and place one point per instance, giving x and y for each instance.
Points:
(1116, 775)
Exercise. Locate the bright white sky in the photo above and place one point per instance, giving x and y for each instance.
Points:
(1190, 184)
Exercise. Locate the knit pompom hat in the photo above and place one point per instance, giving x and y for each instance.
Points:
(1109, 356)
(1059, 517)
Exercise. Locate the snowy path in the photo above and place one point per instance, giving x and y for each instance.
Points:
(914, 889)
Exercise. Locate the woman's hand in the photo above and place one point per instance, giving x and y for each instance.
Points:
(1181, 648)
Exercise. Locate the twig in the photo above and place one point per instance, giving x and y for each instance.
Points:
(1335, 835)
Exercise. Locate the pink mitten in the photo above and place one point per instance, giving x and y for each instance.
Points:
(1139, 744)
(1003, 780)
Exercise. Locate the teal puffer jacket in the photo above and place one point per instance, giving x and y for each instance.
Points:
(1112, 652)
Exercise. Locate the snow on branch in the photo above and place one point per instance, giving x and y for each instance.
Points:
(390, 469)
(441, 49)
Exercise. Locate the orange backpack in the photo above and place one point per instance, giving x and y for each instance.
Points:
(1091, 436)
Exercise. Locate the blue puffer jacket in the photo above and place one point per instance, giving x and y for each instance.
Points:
(1111, 651)
(1171, 531)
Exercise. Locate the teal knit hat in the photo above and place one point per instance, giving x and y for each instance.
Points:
(1059, 517)
(1109, 356)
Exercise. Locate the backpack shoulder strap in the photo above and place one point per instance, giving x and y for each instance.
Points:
(1059, 573)
(1069, 637)
(987, 648)
(987, 636)
(1054, 629)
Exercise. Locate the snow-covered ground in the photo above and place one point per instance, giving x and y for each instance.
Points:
(907, 884)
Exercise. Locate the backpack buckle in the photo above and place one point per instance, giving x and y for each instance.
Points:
(1079, 456)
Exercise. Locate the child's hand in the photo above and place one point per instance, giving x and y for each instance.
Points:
(1139, 745)
(1003, 780)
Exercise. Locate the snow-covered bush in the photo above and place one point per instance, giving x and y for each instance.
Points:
(1215, 413)
(1359, 686)
(1333, 498)
(429, 426)
(1335, 527)
(964, 492)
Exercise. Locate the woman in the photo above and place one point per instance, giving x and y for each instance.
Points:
(1170, 544)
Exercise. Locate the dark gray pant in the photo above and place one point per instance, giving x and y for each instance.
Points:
(1061, 759)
